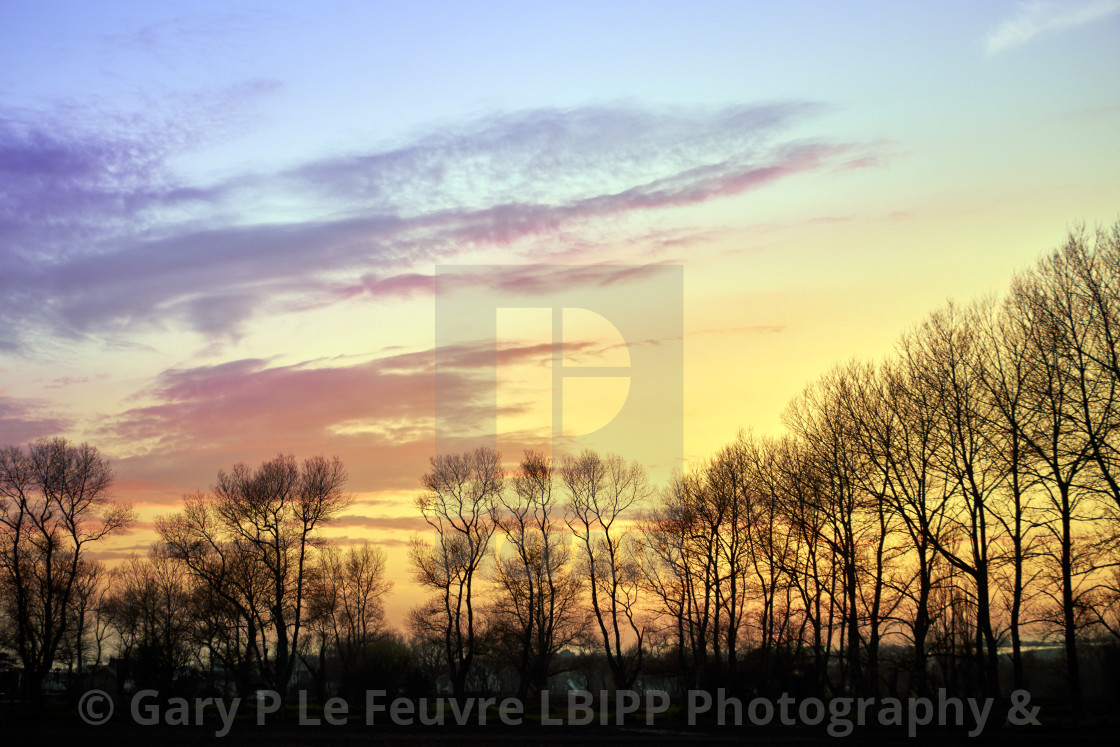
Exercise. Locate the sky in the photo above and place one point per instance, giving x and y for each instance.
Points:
(221, 222)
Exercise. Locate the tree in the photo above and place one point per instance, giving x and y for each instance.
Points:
(250, 540)
(835, 472)
(345, 607)
(460, 495)
(681, 536)
(538, 595)
(1071, 404)
(1006, 373)
(739, 532)
(54, 503)
(670, 575)
(222, 597)
(600, 490)
(149, 607)
(875, 430)
(944, 359)
(86, 627)
(1083, 279)
(785, 477)
(911, 415)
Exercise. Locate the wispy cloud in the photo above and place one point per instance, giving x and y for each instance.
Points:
(22, 421)
(378, 416)
(103, 239)
(390, 523)
(1039, 18)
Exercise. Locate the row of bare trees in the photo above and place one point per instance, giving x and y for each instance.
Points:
(532, 563)
(240, 588)
(957, 497)
(952, 502)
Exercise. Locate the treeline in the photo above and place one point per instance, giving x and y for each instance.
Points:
(241, 591)
(943, 502)
(923, 518)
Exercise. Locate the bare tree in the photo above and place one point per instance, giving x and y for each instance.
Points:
(54, 503)
(679, 535)
(346, 607)
(227, 629)
(600, 491)
(89, 588)
(699, 546)
(1083, 278)
(772, 545)
(266, 521)
(538, 594)
(943, 357)
(786, 477)
(149, 608)
(907, 435)
(1064, 398)
(877, 432)
(1006, 371)
(738, 535)
(834, 468)
(458, 503)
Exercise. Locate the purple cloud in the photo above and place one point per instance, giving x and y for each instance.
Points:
(101, 238)
(23, 421)
(378, 417)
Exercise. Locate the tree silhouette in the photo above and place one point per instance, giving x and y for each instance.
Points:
(54, 503)
(461, 491)
(250, 542)
(600, 491)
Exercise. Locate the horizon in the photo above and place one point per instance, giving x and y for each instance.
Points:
(222, 225)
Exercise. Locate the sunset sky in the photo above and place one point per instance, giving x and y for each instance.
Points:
(220, 222)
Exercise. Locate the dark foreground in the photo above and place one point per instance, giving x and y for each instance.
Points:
(1091, 725)
(27, 733)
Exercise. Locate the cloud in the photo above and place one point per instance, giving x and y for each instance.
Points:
(346, 540)
(107, 554)
(1042, 18)
(378, 417)
(105, 240)
(23, 421)
(539, 280)
(399, 523)
(751, 329)
(534, 279)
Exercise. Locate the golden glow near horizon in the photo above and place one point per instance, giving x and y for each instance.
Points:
(220, 237)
